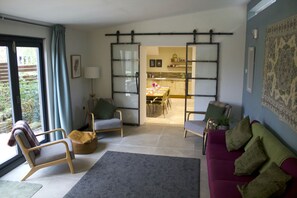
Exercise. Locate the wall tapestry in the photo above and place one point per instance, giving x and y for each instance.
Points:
(280, 70)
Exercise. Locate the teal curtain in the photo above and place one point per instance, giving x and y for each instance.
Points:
(61, 116)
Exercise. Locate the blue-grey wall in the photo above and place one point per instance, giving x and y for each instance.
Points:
(252, 105)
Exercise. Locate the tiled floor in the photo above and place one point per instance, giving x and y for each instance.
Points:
(154, 139)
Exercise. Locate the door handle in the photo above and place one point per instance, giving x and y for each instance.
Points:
(137, 81)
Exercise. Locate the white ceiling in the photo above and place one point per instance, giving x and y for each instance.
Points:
(102, 13)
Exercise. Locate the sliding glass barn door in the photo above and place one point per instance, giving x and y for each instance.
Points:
(125, 80)
(204, 79)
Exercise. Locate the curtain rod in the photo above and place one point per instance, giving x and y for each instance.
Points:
(23, 21)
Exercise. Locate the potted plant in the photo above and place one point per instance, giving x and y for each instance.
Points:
(223, 123)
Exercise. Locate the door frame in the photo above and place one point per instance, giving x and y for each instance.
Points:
(12, 42)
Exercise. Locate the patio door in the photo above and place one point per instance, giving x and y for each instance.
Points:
(125, 65)
(21, 93)
(204, 77)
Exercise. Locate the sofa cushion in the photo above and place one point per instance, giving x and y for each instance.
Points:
(239, 135)
(104, 109)
(224, 170)
(251, 159)
(219, 151)
(214, 112)
(270, 142)
(269, 183)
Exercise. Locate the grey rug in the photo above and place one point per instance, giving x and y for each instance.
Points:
(14, 189)
(118, 175)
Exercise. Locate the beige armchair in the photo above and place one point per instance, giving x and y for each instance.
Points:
(104, 117)
(44, 155)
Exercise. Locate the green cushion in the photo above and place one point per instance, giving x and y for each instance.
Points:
(270, 142)
(214, 112)
(104, 109)
(270, 183)
(251, 159)
(239, 135)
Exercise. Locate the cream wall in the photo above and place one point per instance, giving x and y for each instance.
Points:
(77, 44)
(232, 19)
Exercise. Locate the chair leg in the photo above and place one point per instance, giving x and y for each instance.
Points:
(70, 164)
(122, 132)
(33, 170)
(185, 133)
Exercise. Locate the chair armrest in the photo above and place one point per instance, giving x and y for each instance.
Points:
(195, 112)
(51, 131)
(49, 144)
(120, 114)
(91, 121)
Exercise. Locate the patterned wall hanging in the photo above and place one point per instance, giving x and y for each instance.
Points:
(280, 70)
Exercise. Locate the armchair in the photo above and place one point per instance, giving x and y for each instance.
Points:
(44, 155)
(104, 117)
(215, 110)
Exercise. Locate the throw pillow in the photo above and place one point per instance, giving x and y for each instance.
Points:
(214, 112)
(104, 109)
(270, 183)
(239, 135)
(251, 159)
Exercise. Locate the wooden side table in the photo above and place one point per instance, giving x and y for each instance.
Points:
(79, 145)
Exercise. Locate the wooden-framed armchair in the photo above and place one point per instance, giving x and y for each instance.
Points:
(214, 107)
(41, 155)
(103, 116)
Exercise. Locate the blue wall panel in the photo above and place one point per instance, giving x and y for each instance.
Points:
(252, 104)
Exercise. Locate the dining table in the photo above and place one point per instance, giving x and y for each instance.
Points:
(152, 92)
(157, 95)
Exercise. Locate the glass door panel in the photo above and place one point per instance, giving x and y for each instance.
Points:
(28, 64)
(125, 51)
(126, 100)
(6, 121)
(125, 80)
(204, 79)
(22, 95)
(125, 67)
(125, 84)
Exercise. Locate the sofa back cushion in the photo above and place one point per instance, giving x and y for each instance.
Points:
(276, 151)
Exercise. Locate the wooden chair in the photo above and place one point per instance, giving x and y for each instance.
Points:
(49, 154)
(115, 123)
(197, 126)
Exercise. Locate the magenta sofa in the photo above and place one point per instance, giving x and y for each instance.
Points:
(220, 163)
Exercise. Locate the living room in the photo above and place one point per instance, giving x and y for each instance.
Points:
(94, 48)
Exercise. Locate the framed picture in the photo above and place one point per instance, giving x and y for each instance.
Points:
(250, 69)
(75, 66)
(152, 63)
(159, 63)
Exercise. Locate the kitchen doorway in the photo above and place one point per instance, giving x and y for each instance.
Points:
(166, 68)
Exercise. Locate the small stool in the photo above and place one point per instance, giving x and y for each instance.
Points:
(83, 142)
